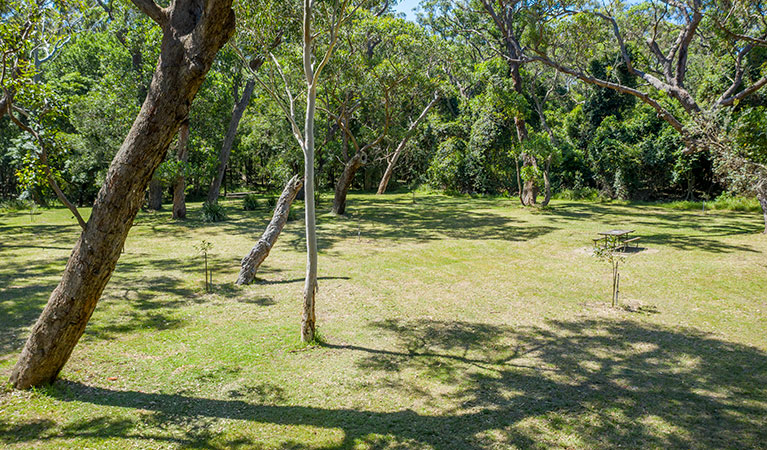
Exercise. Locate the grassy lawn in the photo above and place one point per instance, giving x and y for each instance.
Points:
(449, 323)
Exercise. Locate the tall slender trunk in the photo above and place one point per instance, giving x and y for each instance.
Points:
(401, 147)
(310, 285)
(192, 35)
(231, 132)
(345, 181)
(179, 186)
(519, 178)
(252, 261)
(308, 318)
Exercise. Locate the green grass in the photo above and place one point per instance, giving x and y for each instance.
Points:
(448, 323)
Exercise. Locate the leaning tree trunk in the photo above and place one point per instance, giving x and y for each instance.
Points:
(252, 261)
(231, 132)
(179, 186)
(154, 196)
(401, 147)
(345, 182)
(193, 32)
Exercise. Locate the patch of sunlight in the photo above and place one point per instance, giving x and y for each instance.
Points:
(591, 366)
(659, 427)
(644, 347)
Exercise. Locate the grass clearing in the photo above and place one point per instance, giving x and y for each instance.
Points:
(448, 323)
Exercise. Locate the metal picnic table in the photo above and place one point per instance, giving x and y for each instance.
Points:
(615, 239)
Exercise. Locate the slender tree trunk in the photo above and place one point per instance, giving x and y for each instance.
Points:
(401, 147)
(310, 285)
(154, 197)
(231, 132)
(179, 200)
(546, 182)
(519, 178)
(252, 261)
(192, 35)
(762, 196)
(345, 182)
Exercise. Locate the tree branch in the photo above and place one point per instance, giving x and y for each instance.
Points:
(150, 8)
(46, 169)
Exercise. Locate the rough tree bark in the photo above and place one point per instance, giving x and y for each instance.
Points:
(231, 132)
(252, 261)
(345, 181)
(179, 185)
(193, 32)
(154, 195)
(401, 147)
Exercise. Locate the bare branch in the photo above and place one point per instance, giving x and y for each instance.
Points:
(150, 8)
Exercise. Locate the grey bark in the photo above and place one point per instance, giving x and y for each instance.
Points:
(345, 181)
(401, 147)
(252, 261)
(762, 196)
(179, 185)
(546, 182)
(193, 32)
(154, 196)
(231, 132)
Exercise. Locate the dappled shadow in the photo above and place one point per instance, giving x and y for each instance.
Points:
(432, 218)
(24, 290)
(294, 280)
(605, 383)
(708, 228)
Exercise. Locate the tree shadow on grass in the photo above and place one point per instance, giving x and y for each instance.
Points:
(586, 383)
(24, 290)
(708, 229)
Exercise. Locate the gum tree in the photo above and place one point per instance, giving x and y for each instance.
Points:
(193, 32)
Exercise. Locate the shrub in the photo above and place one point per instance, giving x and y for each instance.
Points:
(250, 202)
(16, 204)
(213, 212)
(589, 194)
(292, 215)
(271, 202)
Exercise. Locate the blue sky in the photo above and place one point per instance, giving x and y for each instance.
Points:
(406, 6)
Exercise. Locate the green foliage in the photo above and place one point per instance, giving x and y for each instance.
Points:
(213, 212)
(250, 202)
(582, 193)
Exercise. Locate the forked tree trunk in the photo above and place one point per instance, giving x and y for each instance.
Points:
(154, 197)
(226, 147)
(179, 186)
(252, 261)
(345, 182)
(193, 32)
(401, 147)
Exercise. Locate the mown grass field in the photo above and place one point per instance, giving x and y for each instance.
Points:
(448, 323)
